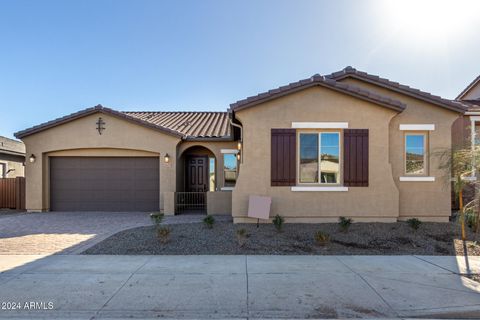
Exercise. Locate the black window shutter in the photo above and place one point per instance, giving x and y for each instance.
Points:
(283, 157)
(355, 157)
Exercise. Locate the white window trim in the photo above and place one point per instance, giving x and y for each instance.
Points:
(317, 189)
(229, 151)
(418, 179)
(425, 159)
(320, 125)
(417, 127)
(214, 173)
(319, 133)
(4, 174)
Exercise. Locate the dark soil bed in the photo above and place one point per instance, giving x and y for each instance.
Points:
(361, 239)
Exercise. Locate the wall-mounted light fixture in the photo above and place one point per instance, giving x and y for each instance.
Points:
(238, 156)
(239, 145)
(167, 158)
(32, 158)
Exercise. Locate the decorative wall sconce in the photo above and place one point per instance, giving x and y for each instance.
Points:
(32, 158)
(239, 145)
(238, 156)
(167, 158)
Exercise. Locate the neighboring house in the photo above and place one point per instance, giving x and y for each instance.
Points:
(12, 158)
(347, 144)
(466, 130)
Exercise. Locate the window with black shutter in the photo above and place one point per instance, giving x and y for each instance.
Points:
(283, 157)
(355, 155)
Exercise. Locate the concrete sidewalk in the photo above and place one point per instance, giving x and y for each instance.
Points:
(240, 287)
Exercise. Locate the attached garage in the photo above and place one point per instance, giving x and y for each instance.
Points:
(104, 183)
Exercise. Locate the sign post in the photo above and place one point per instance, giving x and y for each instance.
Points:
(259, 207)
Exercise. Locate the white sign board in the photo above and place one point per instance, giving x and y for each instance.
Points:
(259, 207)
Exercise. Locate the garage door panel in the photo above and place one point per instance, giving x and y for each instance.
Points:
(146, 184)
(142, 196)
(104, 184)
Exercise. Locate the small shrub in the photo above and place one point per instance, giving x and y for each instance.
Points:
(163, 234)
(278, 221)
(322, 238)
(414, 223)
(242, 237)
(344, 223)
(209, 221)
(471, 218)
(157, 218)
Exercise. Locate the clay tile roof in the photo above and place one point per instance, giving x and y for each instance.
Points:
(191, 125)
(318, 80)
(185, 125)
(80, 114)
(473, 105)
(386, 83)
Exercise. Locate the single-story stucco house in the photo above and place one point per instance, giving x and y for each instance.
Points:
(346, 144)
(12, 158)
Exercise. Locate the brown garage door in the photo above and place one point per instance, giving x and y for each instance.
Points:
(104, 184)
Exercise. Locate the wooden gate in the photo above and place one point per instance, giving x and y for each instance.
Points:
(12, 193)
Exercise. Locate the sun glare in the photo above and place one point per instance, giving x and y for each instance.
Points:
(430, 20)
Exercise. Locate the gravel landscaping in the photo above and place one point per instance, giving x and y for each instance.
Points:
(361, 239)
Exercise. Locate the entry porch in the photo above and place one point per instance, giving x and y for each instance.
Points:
(206, 174)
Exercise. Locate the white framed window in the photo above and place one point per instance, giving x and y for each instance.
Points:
(211, 174)
(3, 170)
(415, 154)
(319, 157)
(230, 169)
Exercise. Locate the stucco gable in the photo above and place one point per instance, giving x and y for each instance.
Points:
(350, 72)
(87, 112)
(471, 92)
(315, 81)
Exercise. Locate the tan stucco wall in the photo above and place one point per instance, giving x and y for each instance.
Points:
(219, 202)
(379, 201)
(420, 199)
(169, 203)
(19, 168)
(473, 93)
(131, 140)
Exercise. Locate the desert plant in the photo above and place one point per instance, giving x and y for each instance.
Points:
(209, 221)
(278, 221)
(242, 237)
(414, 223)
(344, 223)
(156, 218)
(163, 233)
(459, 165)
(471, 218)
(322, 238)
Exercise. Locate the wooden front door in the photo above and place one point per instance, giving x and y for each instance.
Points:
(197, 174)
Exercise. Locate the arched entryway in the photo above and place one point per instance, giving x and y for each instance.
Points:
(196, 176)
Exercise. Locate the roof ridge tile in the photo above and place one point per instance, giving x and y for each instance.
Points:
(419, 94)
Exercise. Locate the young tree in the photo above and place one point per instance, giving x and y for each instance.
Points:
(461, 165)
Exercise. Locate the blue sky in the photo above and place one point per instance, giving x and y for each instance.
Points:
(59, 57)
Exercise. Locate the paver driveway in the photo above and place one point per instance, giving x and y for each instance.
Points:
(62, 232)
